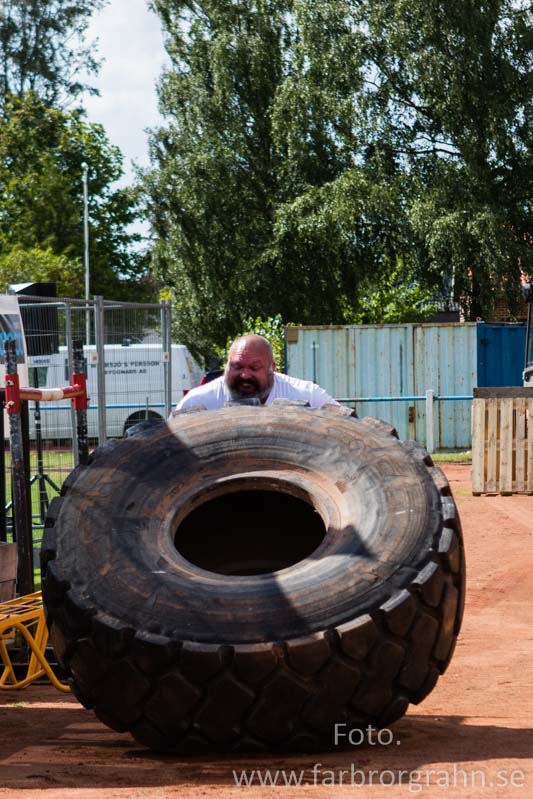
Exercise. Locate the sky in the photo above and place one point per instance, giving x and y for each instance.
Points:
(132, 53)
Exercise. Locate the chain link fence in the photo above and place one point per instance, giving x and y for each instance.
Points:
(133, 372)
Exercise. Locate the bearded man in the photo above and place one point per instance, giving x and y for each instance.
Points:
(250, 375)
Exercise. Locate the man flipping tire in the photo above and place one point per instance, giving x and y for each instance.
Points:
(250, 578)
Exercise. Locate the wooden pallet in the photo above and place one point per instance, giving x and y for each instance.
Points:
(8, 570)
(502, 445)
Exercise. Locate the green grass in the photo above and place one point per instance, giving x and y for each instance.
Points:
(57, 464)
(452, 456)
(53, 459)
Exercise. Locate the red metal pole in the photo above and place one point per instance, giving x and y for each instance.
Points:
(81, 402)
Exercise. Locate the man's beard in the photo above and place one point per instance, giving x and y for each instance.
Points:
(249, 389)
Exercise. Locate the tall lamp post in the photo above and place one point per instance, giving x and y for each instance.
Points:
(85, 172)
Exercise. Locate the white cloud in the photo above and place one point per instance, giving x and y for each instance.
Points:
(131, 42)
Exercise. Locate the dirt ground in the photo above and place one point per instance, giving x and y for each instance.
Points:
(472, 736)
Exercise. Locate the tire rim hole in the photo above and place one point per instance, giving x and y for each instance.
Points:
(250, 532)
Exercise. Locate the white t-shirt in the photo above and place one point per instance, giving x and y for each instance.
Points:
(215, 394)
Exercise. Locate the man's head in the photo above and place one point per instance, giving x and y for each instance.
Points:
(250, 369)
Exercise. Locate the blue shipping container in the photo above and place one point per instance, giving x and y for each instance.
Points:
(500, 354)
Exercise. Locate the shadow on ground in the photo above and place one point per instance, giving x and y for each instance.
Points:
(59, 744)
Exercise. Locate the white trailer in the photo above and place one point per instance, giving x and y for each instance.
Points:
(134, 386)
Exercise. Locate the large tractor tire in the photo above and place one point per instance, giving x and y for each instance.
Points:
(247, 579)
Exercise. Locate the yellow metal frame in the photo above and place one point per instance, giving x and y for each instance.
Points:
(26, 616)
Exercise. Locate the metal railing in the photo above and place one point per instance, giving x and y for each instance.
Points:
(105, 322)
(19, 446)
(429, 398)
(50, 326)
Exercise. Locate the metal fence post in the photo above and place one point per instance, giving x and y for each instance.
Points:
(19, 484)
(314, 348)
(430, 423)
(3, 512)
(70, 357)
(100, 366)
(169, 334)
(80, 404)
(166, 343)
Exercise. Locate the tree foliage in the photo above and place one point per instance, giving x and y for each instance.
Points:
(42, 48)
(451, 88)
(252, 201)
(42, 150)
(396, 298)
(36, 265)
(311, 146)
(211, 198)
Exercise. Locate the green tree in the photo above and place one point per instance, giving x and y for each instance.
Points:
(211, 197)
(42, 48)
(434, 110)
(36, 265)
(311, 146)
(42, 151)
(451, 89)
(259, 203)
(398, 297)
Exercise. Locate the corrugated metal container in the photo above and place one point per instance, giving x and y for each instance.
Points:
(500, 353)
(393, 361)
(384, 368)
(446, 361)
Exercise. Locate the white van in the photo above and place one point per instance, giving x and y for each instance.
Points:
(134, 386)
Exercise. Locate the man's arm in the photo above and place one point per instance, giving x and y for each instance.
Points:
(321, 398)
(211, 396)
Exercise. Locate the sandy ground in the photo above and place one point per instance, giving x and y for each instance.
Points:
(472, 736)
